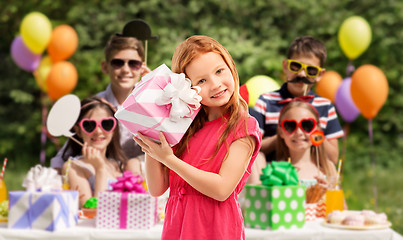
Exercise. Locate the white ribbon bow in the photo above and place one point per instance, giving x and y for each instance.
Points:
(180, 94)
(43, 179)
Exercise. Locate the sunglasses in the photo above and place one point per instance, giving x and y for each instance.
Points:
(117, 63)
(290, 125)
(310, 70)
(106, 124)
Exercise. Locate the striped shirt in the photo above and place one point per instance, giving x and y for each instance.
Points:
(267, 111)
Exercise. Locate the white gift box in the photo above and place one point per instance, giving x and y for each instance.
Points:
(43, 210)
(161, 101)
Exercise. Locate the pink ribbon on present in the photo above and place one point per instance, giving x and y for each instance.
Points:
(125, 185)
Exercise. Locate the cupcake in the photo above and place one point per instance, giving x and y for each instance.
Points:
(376, 219)
(335, 217)
(354, 220)
(90, 208)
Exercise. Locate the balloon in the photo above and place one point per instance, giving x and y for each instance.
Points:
(344, 103)
(258, 85)
(62, 79)
(328, 85)
(36, 30)
(42, 73)
(354, 36)
(243, 91)
(63, 43)
(369, 90)
(63, 115)
(23, 57)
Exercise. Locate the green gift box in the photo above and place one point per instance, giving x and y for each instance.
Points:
(274, 207)
(279, 202)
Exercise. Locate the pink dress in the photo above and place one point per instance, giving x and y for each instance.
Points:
(191, 215)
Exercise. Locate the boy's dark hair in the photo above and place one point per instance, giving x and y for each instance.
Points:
(307, 45)
(119, 43)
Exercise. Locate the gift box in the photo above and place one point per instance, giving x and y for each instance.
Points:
(127, 206)
(161, 101)
(44, 205)
(43, 210)
(279, 203)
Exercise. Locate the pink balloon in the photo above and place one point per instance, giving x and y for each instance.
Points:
(344, 102)
(23, 57)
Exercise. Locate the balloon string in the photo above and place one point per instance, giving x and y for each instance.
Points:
(371, 140)
(344, 146)
(43, 132)
(350, 68)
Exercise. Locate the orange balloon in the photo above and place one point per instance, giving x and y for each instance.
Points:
(328, 85)
(62, 79)
(63, 43)
(369, 90)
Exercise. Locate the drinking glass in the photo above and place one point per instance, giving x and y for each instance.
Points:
(3, 190)
(334, 196)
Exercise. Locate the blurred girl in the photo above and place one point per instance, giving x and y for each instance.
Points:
(208, 168)
(101, 158)
(297, 121)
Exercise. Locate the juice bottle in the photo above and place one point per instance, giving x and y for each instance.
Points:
(3, 190)
(334, 197)
(334, 200)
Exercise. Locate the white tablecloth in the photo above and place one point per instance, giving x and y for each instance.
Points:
(85, 230)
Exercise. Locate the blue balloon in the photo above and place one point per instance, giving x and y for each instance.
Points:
(344, 103)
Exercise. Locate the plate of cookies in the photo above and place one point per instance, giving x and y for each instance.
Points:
(357, 220)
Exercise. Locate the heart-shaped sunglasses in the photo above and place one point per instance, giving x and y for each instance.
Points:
(290, 125)
(106, 124)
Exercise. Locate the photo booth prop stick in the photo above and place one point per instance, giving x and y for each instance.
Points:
(63, 116)
(139, 29)
(317, 137)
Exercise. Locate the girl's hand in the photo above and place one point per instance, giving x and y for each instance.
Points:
(93, 156)
(159, 151)
(322, 181)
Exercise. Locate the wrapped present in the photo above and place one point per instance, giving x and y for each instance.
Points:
(279, 202)
(161, 101)
(127, 206)
(46, 207)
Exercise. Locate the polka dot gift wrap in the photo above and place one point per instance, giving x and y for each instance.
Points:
(275, 207)
(140, 213)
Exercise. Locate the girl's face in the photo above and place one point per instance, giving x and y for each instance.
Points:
(99, 138)
(126, 75)
(212, 75)
(298, 140)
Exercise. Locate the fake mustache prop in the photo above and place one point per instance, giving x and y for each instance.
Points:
(300, 80)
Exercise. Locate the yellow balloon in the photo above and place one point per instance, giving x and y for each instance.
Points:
(36, 31)
(354, 36)
(258, 85)
(42, 72)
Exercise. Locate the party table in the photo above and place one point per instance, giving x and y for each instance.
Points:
(85, 230)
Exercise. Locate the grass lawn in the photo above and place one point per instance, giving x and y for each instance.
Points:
(357, 185)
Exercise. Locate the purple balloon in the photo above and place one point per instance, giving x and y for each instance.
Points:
(23, 57)
(344, 103)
